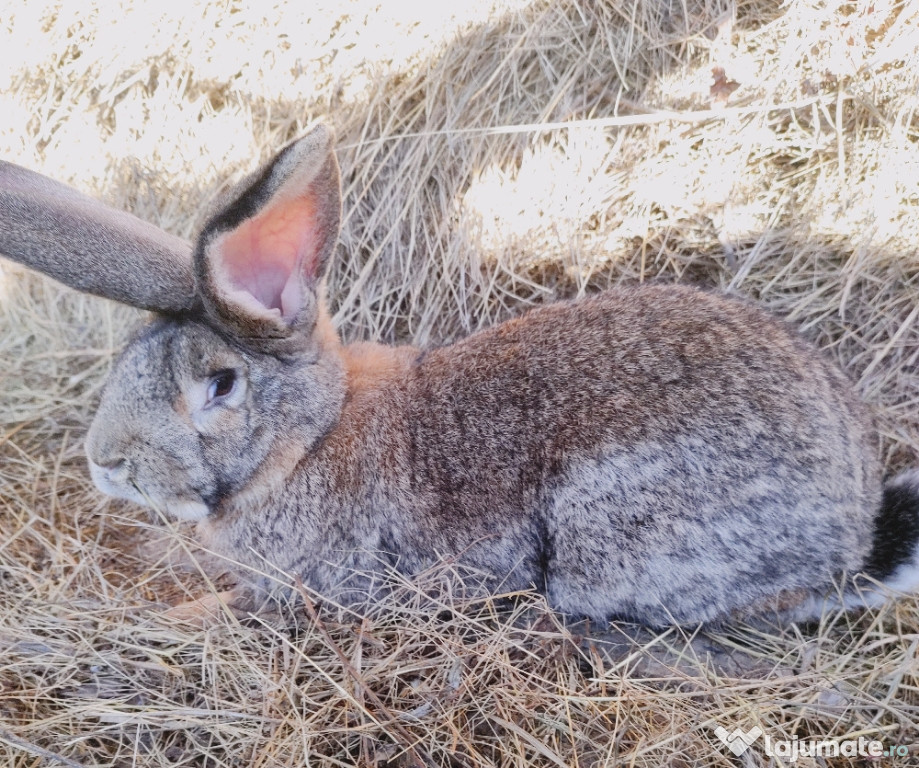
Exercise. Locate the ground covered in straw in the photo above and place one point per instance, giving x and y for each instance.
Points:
(495, 155)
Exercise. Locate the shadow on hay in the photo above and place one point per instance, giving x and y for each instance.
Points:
(411, 152)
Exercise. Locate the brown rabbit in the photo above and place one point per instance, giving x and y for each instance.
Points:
(658, 453)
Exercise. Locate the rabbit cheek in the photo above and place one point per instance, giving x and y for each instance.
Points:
(230, 445)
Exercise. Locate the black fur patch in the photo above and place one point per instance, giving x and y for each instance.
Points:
(249, 201)
(896, 531)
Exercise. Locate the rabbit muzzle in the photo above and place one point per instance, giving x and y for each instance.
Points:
(114, 478)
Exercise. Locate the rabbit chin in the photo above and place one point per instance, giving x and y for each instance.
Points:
(192, 511)
(180, 509)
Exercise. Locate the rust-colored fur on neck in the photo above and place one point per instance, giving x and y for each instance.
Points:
(373, 366)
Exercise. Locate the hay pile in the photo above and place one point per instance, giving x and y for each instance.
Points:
(501, 156)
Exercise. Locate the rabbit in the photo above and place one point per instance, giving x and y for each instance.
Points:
(657, 453)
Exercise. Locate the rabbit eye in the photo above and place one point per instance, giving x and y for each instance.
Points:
(221, 385)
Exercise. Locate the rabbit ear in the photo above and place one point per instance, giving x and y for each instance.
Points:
(260, 261)
(89, 246)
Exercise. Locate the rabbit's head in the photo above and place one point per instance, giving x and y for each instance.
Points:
(242, 369)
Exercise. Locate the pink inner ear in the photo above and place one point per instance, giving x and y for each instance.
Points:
(267, 255)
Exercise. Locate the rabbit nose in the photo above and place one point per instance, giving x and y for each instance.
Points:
(116, 470)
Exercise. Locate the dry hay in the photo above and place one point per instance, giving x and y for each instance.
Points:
(499, 157)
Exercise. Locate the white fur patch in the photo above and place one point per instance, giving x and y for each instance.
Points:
(906, 577)
(903, 581)
(192, 511)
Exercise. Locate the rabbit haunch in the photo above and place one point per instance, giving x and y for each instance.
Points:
(654, 452)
